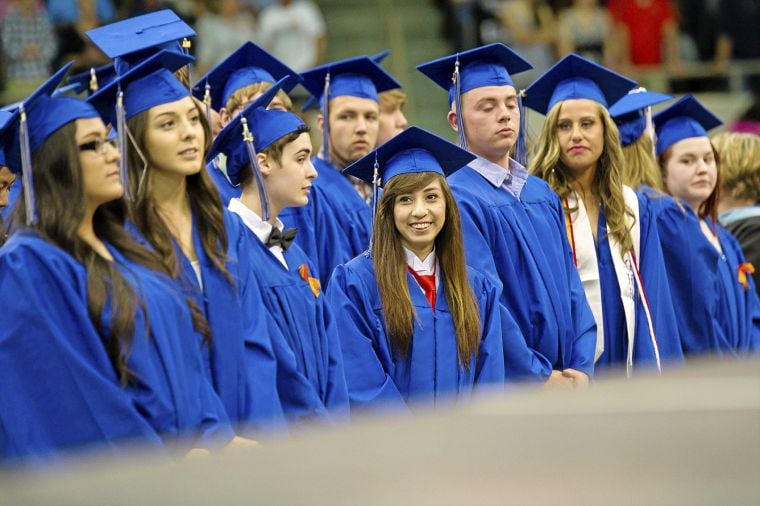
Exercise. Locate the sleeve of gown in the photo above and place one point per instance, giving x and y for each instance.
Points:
(59, 390)
(490, 365)
(475, 232)
(263, 404)
(337, 390)
(369, 385)
(657, 288)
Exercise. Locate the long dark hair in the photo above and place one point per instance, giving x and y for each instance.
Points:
(205, 203)
(390, 269)
(60, 202)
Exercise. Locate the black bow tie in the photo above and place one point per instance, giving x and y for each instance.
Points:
(284, 239)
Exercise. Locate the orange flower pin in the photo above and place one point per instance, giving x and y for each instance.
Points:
(745, 269)
(303, 270)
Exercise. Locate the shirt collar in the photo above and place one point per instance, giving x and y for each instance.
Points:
(253, 221)
(424, 267)
(513, 179)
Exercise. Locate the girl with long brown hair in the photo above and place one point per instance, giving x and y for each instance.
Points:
(177, 211)
(97, 349)
(611, 230)
(415, 323)
(713, 290)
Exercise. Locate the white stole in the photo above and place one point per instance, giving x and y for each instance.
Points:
(588, 267)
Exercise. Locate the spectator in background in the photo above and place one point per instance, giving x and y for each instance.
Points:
(294, 32)
(585, 28)
(223, 28)
(71, 19)
(530, 30)
(738, 35)
(647, 33)
(28, 47)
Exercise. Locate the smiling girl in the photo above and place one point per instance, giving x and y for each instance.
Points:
(415, 323)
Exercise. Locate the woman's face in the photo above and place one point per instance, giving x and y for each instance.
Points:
(580, 133)
(419, 217)
(691, 171)
(99, 160)
(174, 138)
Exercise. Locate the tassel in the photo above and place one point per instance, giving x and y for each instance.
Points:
(121, 133)
(248, 139)
(93, 80)
(207, 101)
(458, 99)
(376, 182)
(326, 120)
(26, 169)
(521, 145)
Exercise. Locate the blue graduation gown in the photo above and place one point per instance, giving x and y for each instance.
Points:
(59, 389)
(241, 362)
(335, 225)
(226, 190)
(532, 263)
(431, 373)
(311, 379)
(652, 268)
(715, 313)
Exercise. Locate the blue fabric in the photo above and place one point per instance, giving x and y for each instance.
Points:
(715, 313)
(335, 225)
(684, 119)
(60, 391)
(311, 380)
(652, 268)
(378, 378)
(531, 259)
(227, 192)
(241, 363)
(67, 11)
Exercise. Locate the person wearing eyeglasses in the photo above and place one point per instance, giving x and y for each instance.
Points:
(95, 351)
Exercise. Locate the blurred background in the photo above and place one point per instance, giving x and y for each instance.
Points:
(707, 47)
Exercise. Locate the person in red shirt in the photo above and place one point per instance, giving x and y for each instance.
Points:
(648, 31)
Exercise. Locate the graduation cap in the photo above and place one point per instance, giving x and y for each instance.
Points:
(313, 101)
(575, 77)
(5, 117)
(38, 117)
(632, 113)
(684, 119)
(90, 80)
(489, 65)
(132, 40)
(358, 77)
(247, 65)
(250, 132)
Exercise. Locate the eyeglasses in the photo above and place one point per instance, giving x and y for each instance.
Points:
(98, 145)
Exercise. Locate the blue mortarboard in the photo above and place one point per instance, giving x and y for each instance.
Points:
(250, 132)
(160, 29)
(574, 77)
(489, 65)
(249, 64)
(684, 119)
(413, 150)
(629, 113)
(5, 117)
(146, 85)
(29, 126)
(356, 77)
(378, 58)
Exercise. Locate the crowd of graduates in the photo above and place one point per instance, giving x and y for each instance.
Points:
(182, 269)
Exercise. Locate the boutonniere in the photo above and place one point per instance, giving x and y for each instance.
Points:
(745, 270)
(314, 284)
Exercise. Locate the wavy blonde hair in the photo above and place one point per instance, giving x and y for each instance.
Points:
(608, 179)
(740, 164)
